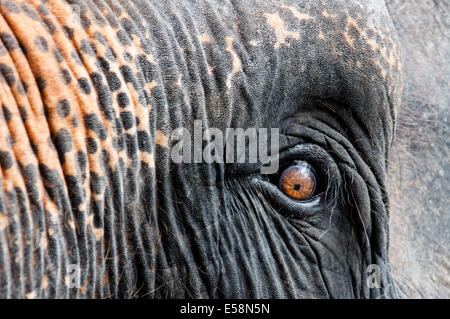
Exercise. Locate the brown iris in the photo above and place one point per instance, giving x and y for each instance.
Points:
(298, 181)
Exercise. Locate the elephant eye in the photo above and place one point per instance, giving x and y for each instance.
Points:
(298, 181)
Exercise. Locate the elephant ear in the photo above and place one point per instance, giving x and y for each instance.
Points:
(419, 170)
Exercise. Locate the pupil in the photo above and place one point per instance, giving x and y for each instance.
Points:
(297, 187)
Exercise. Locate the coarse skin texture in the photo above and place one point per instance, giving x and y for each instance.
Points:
(419, 172)
(87, 108)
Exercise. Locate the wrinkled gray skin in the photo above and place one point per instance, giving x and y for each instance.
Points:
(419, 174)
(329, 75)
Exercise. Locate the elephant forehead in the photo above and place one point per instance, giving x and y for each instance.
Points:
(213, 58)
(343, 37)
(255, 56)
(346, 30)
(276, 55)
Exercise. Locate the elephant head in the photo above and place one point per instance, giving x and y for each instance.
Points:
(98, 99)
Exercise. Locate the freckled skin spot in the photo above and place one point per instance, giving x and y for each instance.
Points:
(179, 83)
(281, 34)
(50, 26)
(161, 139)
(204, 38)
(6, 113)
(3, 222)
(92, 122)
(7, 74)
(12, 7)
(63, 142)
(6, 160)
(23, 113)
(84, 85)
(329, 15)
(68, 32)
(127, 120)
(66, 76)
(123, 100)
(31, 295)
(297, 14)
(236, 62)
(41, 83)
(91, 145)
(41, 43)
(9, 41)
(63, 108)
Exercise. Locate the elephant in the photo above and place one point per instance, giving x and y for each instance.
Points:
(93, 204)
(419, 173)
